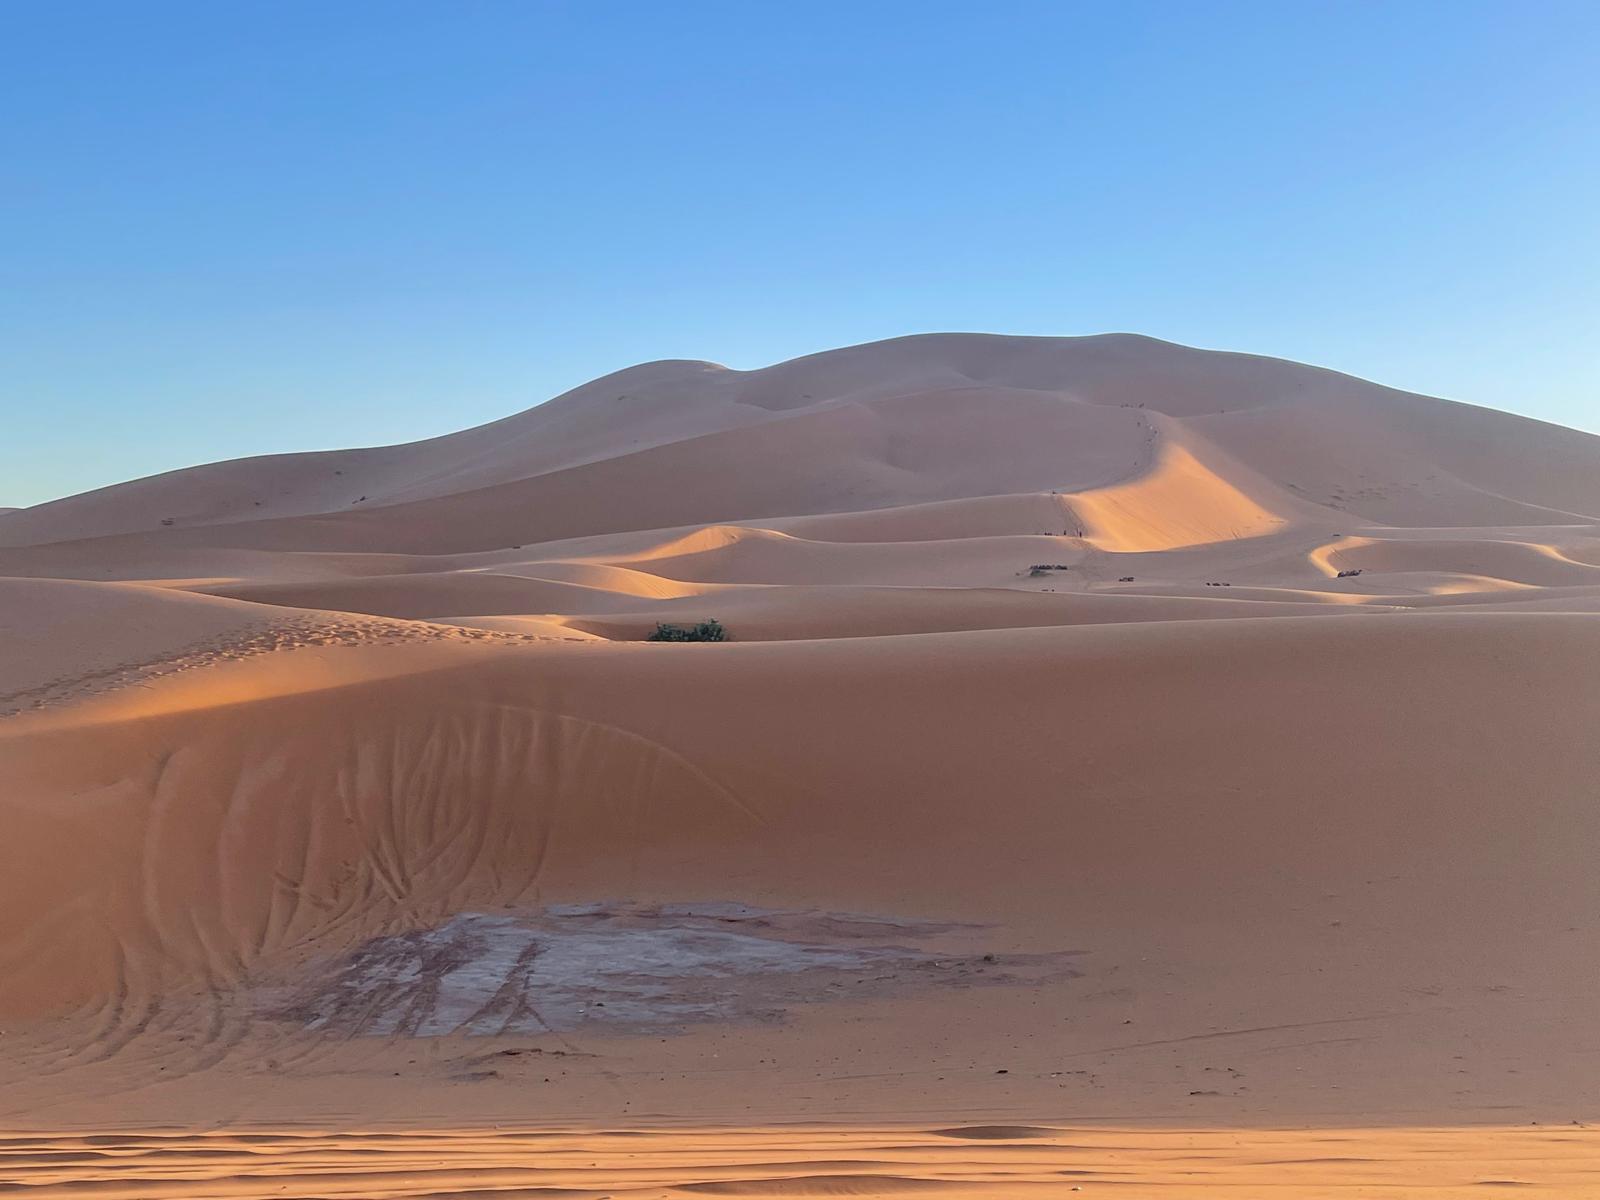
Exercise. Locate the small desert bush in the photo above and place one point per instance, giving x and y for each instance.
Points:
(704, 631)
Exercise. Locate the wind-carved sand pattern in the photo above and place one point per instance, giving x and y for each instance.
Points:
(975, 1163)
(635, 967)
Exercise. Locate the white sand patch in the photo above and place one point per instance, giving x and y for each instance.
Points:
(626, 966)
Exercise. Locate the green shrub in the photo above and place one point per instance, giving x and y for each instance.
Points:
(705, 631)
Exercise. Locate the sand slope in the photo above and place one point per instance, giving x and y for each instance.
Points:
(1027, 791)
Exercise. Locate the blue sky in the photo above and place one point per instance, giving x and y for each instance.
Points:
(238, 228)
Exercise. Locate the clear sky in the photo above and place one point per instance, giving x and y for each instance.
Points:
(242, 228)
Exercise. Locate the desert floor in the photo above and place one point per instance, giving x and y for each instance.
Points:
(1130, 767)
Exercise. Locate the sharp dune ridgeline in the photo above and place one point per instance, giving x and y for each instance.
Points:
(1191, 745)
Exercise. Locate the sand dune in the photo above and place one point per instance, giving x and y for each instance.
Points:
(1123, 752)
(922, 418)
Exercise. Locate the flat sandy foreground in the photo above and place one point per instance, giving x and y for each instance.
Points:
(971, 1161)
(1130, 768)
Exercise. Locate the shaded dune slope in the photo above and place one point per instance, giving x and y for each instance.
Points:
(241, 822)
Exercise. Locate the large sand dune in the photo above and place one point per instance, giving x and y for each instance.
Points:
(342, 794)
